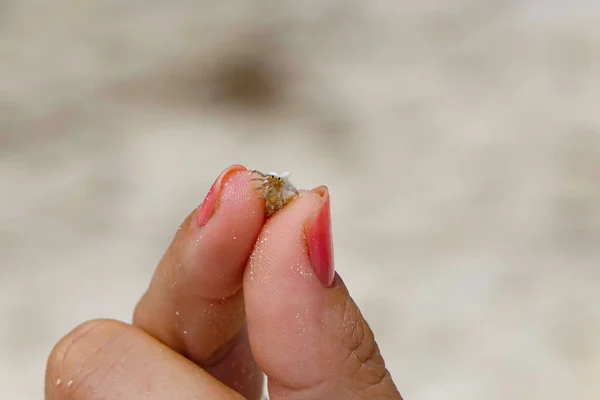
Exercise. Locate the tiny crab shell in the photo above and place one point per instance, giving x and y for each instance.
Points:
(277, 189)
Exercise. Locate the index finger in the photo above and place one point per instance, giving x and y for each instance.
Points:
(194, 303)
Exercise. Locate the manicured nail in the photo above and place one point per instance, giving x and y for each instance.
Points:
(319, 240)
(211, 201)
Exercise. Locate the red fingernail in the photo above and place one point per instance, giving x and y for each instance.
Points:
(210, 203)
(320, 241)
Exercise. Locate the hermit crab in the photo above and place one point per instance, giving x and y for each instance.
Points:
(277, 190)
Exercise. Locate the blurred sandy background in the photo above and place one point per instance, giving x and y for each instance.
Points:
(460, 140)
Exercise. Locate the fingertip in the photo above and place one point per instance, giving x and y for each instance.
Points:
(211, 202)
(285, 301)
(215, 253)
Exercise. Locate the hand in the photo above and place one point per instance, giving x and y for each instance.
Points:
(233, 296)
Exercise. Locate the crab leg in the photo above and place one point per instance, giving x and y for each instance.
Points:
(266, 193)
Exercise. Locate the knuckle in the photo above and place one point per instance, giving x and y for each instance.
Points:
(74, 361)
(363, 363)
(63, 349)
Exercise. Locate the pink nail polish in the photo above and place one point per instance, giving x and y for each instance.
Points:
(210, 203)
(320, 241)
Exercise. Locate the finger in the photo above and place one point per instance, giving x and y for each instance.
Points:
(306, 333)
(106, 359)
(194, 303)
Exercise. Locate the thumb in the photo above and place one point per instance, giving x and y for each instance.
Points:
(306, 332)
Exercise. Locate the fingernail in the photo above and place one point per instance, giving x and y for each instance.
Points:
(319, 240)
(210, 203)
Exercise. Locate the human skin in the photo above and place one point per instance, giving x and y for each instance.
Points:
(234, 296)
